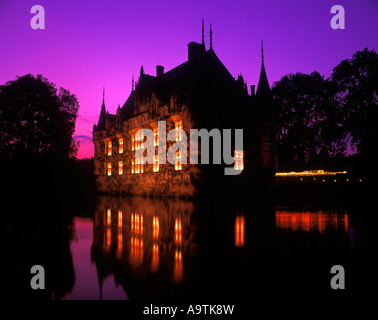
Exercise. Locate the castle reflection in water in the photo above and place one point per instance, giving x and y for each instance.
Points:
(149, 242)
(142, 236)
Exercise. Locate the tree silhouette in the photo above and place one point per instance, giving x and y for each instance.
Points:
(356, 81)
(318, 116)
(36, 119)
(309, 120)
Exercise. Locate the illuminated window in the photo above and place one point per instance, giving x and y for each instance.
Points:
(239, 160)
(120, 145)
(120, 167)
(178, 128)
(109, 148)
(178, 164)
(139, 138)
(132, 142)
(137, 165)
(156, 137)
(109, 168)
(156, 164)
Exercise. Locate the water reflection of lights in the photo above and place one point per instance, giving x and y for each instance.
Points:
(311, 221)
(178, 231)
(155, 228)
(178, 269)
(155, 258)
(120, 222)
(136, 251)
(239, 231)
(148, 235)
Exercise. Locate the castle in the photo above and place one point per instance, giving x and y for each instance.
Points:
(199, 93)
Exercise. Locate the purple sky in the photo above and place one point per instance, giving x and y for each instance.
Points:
(89, 44)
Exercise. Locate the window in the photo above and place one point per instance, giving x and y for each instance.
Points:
(106, 147)
(239, 160)
(132, 142)
(178, 165)
(120, 167)
(178, 128)
(120, 150)
(156, 164)
(139, 138)
(105, 168)
(156, 137)
(109, 168)
(139, 166)
(109, 148)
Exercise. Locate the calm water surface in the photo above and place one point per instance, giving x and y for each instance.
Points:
(140, 248)
(137, 248)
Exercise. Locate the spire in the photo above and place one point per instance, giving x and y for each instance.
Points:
(263, 88)
(203, 34)
(102, 118)
(141, 70)
(211, 37)
(132, 83)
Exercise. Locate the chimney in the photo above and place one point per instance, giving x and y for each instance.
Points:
(253, 90)
(195, 50)
(159, 71)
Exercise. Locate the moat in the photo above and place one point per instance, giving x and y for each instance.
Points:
(139, 248)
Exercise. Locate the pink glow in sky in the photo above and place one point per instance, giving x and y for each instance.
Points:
(89, 44)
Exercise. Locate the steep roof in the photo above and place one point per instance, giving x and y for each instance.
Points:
(102, 118)
(263, 88)
(203, 75)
